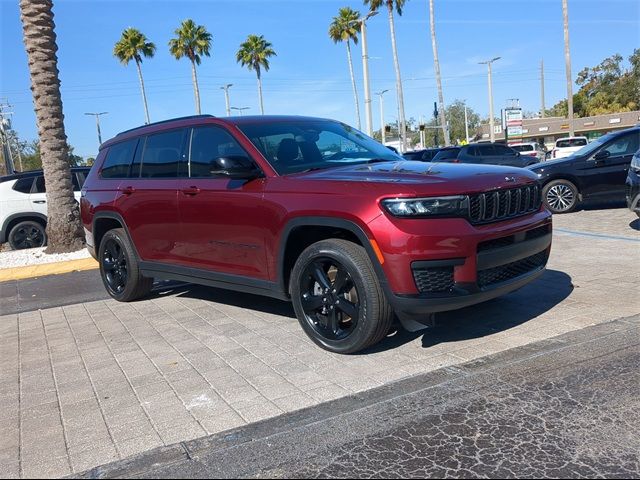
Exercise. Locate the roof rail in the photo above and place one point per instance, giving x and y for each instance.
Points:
(165, 121)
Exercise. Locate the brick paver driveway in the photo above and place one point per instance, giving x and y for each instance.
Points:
(86, 384)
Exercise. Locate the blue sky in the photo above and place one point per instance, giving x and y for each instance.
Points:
(310, 75)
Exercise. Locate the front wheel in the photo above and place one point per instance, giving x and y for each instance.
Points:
(27, 234)
(337, 297)
(560, 196)
(119, 267)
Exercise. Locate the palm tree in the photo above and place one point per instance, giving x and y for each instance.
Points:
(567, 62)
(133, 45)
(345, 28)
(64, 229)
(254, 53)
(374, 5)
(192, 41)
(436, 66)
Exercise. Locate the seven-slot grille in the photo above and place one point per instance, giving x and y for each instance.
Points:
(502, 204)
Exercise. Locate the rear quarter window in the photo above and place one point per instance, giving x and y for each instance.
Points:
(118, 161)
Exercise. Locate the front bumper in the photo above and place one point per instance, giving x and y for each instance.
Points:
(633, 191)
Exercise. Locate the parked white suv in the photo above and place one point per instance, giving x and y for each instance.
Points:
(530, 149)
(568, 145)
(23, 207)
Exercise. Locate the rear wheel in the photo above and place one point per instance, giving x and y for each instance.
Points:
(119, 268)
(337, 297)
(27, 234)
(560, 196)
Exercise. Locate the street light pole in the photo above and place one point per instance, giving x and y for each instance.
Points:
(491, 120)
(365, 72)
(226, 97)
(97, 115)
(240, 109)
(382, 132)
(466, 123)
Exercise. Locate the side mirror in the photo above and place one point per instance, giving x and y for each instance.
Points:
(235, 166)
(602, 154)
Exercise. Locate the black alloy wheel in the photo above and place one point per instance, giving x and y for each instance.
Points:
(329, 299)
(27, 235)
(114, 266)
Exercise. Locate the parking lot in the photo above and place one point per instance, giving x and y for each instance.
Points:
(93, 382)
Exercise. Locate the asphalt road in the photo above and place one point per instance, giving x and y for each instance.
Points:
(564, 407)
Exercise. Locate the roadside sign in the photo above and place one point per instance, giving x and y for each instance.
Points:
(515, 131)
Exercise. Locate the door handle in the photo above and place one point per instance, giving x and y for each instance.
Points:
(191, 190)
(39, 201)
(127, 190)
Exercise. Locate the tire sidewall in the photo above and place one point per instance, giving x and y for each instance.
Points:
(365, 326)
(568, 184)
(42, 229)
(131, 265)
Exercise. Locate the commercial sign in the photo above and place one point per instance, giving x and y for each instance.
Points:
(515, 131)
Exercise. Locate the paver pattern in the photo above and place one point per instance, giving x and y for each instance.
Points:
(85, 384)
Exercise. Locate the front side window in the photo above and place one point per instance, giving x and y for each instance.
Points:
(206, 146)
(486, 150)
(118, 160)
(503, 151)
(625, 145)
(162, 154)
(447, 154)
(299, 145)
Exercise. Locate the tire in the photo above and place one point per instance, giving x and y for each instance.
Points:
(119, 267)
(27, 234)
(560, 196)
(324, 313)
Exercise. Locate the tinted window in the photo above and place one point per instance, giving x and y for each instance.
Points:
(119, 157)
(571, 142)
(625, 145)
(486, 150)
(447, 154)
(41, 187)
(23, 185)
(419, 155)
(502, 150)
(208, 144)
(523, 148)
(162, 154)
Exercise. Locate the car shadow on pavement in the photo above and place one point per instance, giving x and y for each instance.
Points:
(635, 224)
(490, 317)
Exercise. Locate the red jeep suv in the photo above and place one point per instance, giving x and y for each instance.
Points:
(312, 211)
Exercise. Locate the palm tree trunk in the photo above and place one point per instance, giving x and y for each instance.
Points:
(260, 90)
(63, 225)
(144, 95)
(567, 63)
(436, 67)
(403, 128)
(196, 90)
(353, 84)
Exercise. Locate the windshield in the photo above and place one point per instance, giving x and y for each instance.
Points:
(446, 154)
(522, 148)
(300, 145)
(593, 146)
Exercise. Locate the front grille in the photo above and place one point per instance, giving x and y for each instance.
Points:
(512, 270)
(434, 279)
(502, 204)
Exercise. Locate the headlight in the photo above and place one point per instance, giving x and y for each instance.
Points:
(635, 163)
(457, 206)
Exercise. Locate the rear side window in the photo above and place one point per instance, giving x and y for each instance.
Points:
(447, 154)
(162, 154)
(207, 144)
(485, 150)
(118, 160)
(523, 148)
(571, 142)
(502, 150)
(23, 185)
(41, 187)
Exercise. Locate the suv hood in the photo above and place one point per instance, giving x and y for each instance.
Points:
(550, 163)
(428, 178)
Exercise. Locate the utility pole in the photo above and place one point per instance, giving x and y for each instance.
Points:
(491, 119)
(542, 107)
(226, 97)
(382, 132)
(365, 71)
(567, 63)
(97, 115)
(435, 130)
(466, 124)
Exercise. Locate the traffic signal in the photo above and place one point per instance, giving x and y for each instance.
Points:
(422, 127)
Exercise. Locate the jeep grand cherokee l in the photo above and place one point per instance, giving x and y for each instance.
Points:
(312, 211)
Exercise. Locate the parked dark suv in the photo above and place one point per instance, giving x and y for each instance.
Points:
(487, 153)
(312, 211)
(595, 172)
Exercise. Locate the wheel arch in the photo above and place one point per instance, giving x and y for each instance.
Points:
(107, 220)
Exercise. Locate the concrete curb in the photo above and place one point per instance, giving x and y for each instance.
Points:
(44, 269)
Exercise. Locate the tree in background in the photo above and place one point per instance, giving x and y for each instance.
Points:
(133, 45)
(192, 41)
(64, 230)
(374, 5)
(608, 87)
(345, 28)
(254, 53)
